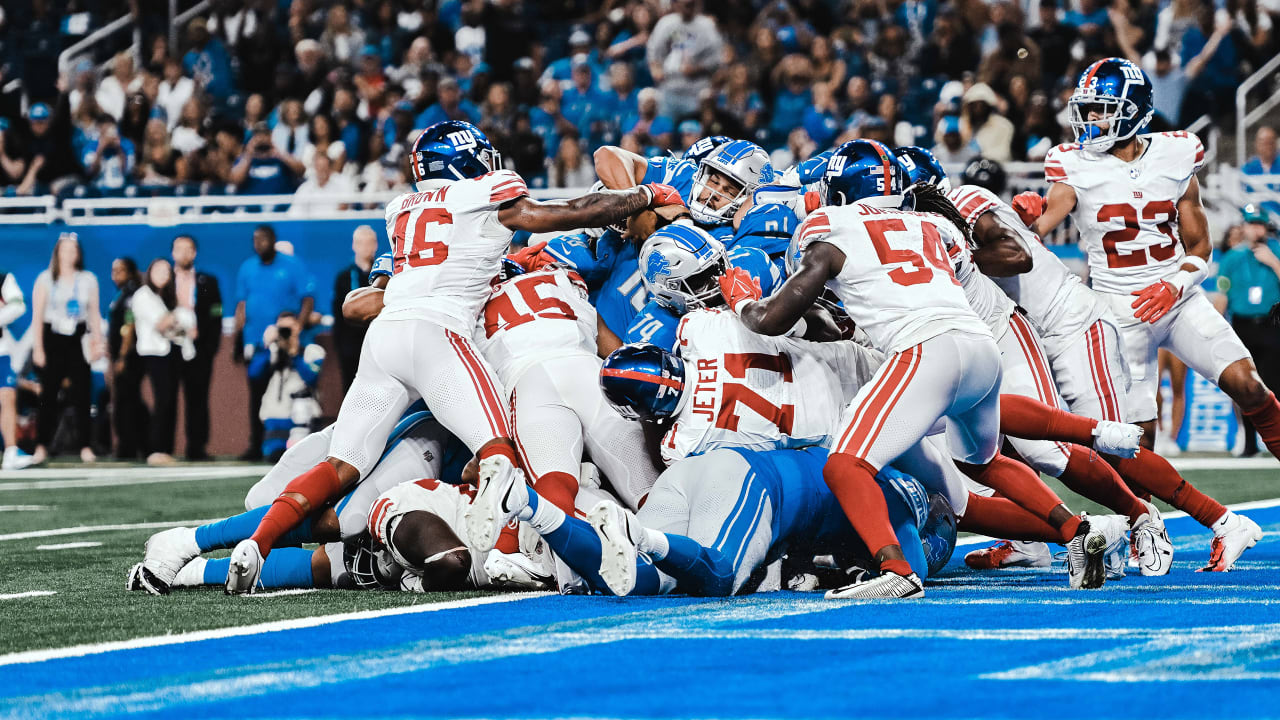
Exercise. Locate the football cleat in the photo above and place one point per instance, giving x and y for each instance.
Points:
(1232, 535)
(887, 586)
(245, 570)
(1097, 536)
(516, 571)
(1010, 553)
(1152, 544)
(1119, 439)
(618, 541)
(168, 551)
(501, 493)
(15, 459)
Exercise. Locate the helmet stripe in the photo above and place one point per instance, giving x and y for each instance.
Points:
(884, 162)
(642, 377)
(1093, 69)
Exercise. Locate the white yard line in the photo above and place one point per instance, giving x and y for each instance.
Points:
(88, 471)
(32, 656)
(282, 593)
(1225, 463)
(55, 532)
(27, 594)
(25, 508)
(69, 546)
(119, 481)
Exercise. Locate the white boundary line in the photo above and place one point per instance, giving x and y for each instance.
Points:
(129, 471)
(34, 656)
(1225, 463)
(69, 546)
(25, 508)
(55, 532)
(27, 594)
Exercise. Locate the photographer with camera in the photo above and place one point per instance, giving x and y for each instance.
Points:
(289, 368)
(262, 169)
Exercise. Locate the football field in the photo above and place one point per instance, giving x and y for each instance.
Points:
(1017, 644)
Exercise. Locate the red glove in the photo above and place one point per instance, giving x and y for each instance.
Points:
(663, 195)
(738, 287)
(1155, 300)
(1029, 206)
(532, 258)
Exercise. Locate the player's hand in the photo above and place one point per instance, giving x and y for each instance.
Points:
(528, 257)
(738, 287)
(1155, 300)
(663, 195)
(1029, 206)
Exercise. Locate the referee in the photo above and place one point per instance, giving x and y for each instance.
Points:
(1249, 274)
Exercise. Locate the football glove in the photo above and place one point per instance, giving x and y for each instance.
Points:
(532, 258)
(661, 195)
(1029, 206)
(1155, 300)
(739, 288)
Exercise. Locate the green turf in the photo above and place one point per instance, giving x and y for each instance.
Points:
(92, 605)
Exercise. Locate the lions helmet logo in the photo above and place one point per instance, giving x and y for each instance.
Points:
(656, 265)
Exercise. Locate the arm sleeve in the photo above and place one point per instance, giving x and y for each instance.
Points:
(14, 305)
(307, 363)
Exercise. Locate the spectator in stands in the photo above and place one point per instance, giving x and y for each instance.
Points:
(1265, 160)
(207, 62)
(13, 156)
(740, 98)
(160, 165)
(1090, 21)
(186, 136)
(1054, 40)
(647, 127)
(952, 49)
(683, 51)
(950, 146)
(1216, 87)
(571, 169)
(268, 284)
(65, 319)
(128, 413)
(53, 163)
(527, 152)
(175, 90)
(1169, 81)
(287, 367)
(262, 169)
(291, 136)
(1016, 55)
(322, 141)
(115, 88)
(349, 337)
(325, 192)
(793, 78)
(1249, 274)
(342, 40)
(164, 340)
(979, 122)
(197, 292)
(451, 106)
(561, 69)
(108, 160)
(585, 106)
(624, 96)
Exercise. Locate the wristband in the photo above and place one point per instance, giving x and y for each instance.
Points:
(1201, 271)
(649, 191)
(737, 309)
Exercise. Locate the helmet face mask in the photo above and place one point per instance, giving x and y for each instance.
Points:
(1112, 103)
(725, 179)
(923, 168)
(680, 265)
(643, 382)
(453, 150)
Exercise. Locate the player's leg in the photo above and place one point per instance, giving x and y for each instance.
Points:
(14, 458)
(414, 451)
(286, 568)
(1167, 440)
(617, 446)
(548, 435)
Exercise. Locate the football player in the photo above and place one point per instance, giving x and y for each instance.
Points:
(12, 307)
(447, 239)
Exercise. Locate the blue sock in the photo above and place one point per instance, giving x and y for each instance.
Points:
(283, 568)
(698, 570)
(904, 527)
(576, 542)
(226, 533)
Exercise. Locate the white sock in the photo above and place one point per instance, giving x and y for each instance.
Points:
(546, 518)
(191, 574)
(653, 543)
(1220, 527)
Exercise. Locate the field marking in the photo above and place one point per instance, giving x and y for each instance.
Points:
(69, 546)
(126, 472)
(35, 656)
(25, 508)
(55, 532)
(1224, 463)
(281, 593)
(118, 481)
(29, 593)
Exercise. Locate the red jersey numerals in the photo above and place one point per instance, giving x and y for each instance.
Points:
(920, 271)
(420, 252)
(1162, 212)
(500, 313)
(737, 364)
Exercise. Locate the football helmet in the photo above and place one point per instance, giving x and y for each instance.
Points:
(680, 264)
(867, 171)
(703, 147)
(643, 382)
(452, 150)
(741, 162)
(985, 174)
(1119, 92)
(370, 569)
(923, 168)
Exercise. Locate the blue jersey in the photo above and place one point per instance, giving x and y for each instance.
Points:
(671, 171)
(769, 227)
(610, 267)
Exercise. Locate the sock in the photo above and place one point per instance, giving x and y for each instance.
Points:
(1023, 486)
(698, 570)
(543, 516)
(558, 488)
(286, 568)
(1266, 420)
(1153, 473)
(903, 520)
(226, 533)
(577, 544)
(1002, 518)
(1030, 419)
(215, 571)
(318, 485)
(509, 539)
(499, 448)
(655, 544)
(1089, 475)
(853, 482)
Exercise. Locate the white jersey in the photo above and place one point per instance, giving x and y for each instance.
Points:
(988, 301)
(1053, 297)
(444, 500)
(446, 245)
(512, 342)
(897, 283)
(1127, 213)
(756, 392)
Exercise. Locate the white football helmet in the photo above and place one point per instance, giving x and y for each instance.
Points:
(740, 163)
(680, 265)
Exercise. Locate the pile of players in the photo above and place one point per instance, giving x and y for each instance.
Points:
(736, 380)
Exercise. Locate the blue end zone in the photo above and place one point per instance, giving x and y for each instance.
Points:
(1004, 645)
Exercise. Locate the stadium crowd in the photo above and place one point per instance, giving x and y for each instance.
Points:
(273, 96)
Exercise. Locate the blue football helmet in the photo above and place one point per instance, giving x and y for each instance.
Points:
(923, 168)
(703, 147)
(1119, 93)
(864, 170)
(509, 268)
(938, 533)
(453, 150)
(643, 382)
(741, 164)
(680, 265)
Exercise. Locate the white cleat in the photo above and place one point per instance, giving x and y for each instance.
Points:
(500, 494)
(168, 551)
(887, 586)
(245, 570)
(1151, 540)
(1232, 535)
(516, 571)
(1010, 553)
(15, 459)
(612, 524)
(1119, 439)
(1098, 537)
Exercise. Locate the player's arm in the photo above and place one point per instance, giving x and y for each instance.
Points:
(1059, 203)
(820, 326)
(1193, 227)
(596, 209)
(780, 312)
(1158, 298)
(606, 340)
(999, 253)
(12, 303)
(618, 168)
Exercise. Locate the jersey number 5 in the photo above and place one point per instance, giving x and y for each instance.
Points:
(1162, 210)
(737, 364)
(919, 272)
(420, 253)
